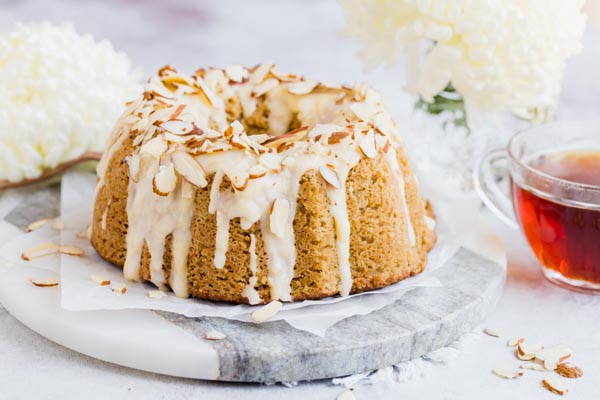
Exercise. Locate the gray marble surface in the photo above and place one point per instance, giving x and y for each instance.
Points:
(423, 320)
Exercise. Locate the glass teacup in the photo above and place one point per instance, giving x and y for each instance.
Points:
(554, 178)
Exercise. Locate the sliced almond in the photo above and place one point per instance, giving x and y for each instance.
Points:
(364, 111)
(102, 281)
(264, 87)
(330, 176)
(58, 225)
(133, 163)
(367, 145)
(177, 127)
(346, 395)
(507, 373)
(165, 180)
(120, 288)
(71, 250)
(37, 224)
(260, 72)
(552, 356)
(337, 137)
(554, 385)
(289, 137)
(156, 294)
(533, 366)
(240, 181)
(526, 351)
(189, 168)
(236, 73)
(39, 251)
(514, 342)
(302, 87)
(491, 332)
(266, 312)
(257, 171)
(279, 217)
(569, 370)
(44, 282)
(214, 335)
(155, 147)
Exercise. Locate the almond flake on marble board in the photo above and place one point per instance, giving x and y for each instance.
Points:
(264, 87)
(554, 385)
(302, 87)
(491, 332)
(266, 312)
(165, 180)
(155, 147)
(119, 288)
(330, 176)
(156, 294)
(568, 370)
(44, 282)
(71, 250)
(40, 250)
(37, 224)
(100, 280)
(214, 335)
(189, 168)
(279, 217)
(507, 373)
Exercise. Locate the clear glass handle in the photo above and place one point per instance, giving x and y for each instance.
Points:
(489, 174)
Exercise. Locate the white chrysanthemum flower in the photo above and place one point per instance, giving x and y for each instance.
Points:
(498, 54)
(61, 95)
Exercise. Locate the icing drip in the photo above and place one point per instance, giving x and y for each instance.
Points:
(222, 240)
(180, 246)
(392, 160)
(250, 291)
(339, 211)
(104, 214)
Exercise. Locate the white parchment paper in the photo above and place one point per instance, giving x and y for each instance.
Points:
(79, 292)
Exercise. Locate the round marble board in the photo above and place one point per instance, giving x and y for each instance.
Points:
(422, 320)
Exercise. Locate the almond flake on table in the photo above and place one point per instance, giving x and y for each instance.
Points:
(37, 224)
(40, 250)
(119, 288)
(156, 294)
(71, 250)
(491, 332)
(514, 342)
(554, 385)
(44, 282)
(102, 281)
(507, 373)
(569, 370)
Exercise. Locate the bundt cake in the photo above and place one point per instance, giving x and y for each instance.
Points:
(253, 185)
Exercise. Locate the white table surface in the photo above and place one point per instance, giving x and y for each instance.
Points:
(301, 36)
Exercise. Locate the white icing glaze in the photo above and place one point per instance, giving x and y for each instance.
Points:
(336, 120)
(250, 291)
(104, 215)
